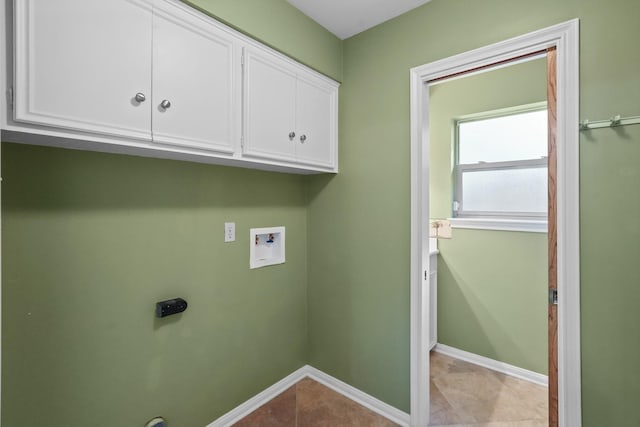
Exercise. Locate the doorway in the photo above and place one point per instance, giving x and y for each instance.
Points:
(563, 40)
(489, 150)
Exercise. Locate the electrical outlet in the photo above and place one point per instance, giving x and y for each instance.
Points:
(444, 231)
(229, 231)
(440, 229)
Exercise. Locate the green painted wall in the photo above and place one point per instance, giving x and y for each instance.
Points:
(492, 296)
(358, 222)
(492, 285)
(70, 217)
(283, 27)
(91, 241)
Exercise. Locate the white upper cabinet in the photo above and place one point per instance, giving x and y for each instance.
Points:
(159, 78)
(75, 69)
(193, 80)
(290, 112)
(125, 68)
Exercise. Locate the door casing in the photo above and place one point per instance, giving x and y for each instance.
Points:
(564, 38)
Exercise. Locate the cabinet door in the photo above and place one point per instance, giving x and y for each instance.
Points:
(269, 107)
(193, 70)
(75, 69)
(316, 122)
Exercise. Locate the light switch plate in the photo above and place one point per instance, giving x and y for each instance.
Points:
(229, 232)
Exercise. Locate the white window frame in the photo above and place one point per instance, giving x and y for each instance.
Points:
(494, 220)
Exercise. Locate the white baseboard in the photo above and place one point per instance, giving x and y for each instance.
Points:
(244, 409)
(370, 402)
(364, 399)
(495, 365)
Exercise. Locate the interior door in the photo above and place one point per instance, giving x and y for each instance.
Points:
(193, 81)
(552, 237)
(75, 70)
(270, 94)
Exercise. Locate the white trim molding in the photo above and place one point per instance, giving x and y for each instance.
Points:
(495, 365)
(500, 224)
(244, 409)
(563, 37)
(360, 397)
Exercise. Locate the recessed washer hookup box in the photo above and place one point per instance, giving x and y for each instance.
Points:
(267, 246)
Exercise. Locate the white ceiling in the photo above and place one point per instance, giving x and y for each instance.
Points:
(345, 18)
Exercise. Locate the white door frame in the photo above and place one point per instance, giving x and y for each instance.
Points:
(564, 37)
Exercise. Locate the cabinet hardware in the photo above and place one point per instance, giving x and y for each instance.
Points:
(303, 138)
(292, 135)
(140, 97)
(165, 104)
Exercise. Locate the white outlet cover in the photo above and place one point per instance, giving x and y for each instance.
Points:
(440, 229)
(229, 231)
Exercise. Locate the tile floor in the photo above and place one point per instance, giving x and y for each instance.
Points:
(462, 395)
(311, 404)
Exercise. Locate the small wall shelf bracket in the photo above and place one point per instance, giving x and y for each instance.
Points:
(614, 121)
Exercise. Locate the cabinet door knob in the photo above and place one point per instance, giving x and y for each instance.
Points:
(140, 97)
(292, 135)
(165, 104)
(303, 138)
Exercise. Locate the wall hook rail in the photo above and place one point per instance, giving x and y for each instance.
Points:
(614, 121)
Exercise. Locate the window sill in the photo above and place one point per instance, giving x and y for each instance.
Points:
(499, 224)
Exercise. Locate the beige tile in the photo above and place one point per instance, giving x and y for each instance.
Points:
(278, 412)
(319, 406)
(442, 413)
(479, 395)
(498, 424)
(462, 395)
(525, 423)
(311, 404)
(533, 396)
(473, 396)
(440, 364)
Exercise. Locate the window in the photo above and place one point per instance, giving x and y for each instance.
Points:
(501, 165)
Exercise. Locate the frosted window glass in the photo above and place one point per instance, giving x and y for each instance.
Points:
(515, 137)
(505, 190)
